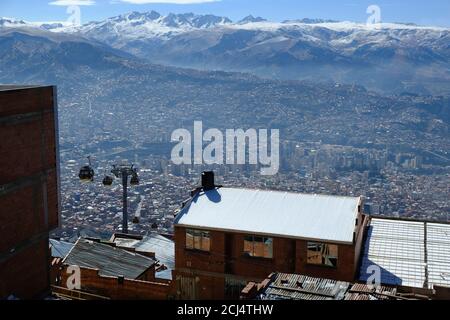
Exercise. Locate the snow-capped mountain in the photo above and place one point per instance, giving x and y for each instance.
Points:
(147, 25)
(251, 19)
(388, 57)
(15, 23)
(9, 22)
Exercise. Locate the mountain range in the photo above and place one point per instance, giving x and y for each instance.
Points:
(390, 58)
(101, 88)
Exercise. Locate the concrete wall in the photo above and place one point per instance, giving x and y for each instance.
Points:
(28, 188)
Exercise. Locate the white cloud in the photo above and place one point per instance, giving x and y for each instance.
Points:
(169, 1)
(72, 3)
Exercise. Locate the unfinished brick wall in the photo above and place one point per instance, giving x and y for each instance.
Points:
(116, 289)
(345, 270)
(26, 274)
(258, 268)
(348, 257)
(28, 187)
(226, 260)
(213, 261)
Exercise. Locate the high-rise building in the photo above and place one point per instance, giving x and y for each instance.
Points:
(29, 188)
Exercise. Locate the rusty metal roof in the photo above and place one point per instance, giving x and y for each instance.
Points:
(362, 292)
(282, 286)
(299, 287)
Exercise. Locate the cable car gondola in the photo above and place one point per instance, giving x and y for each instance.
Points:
(108, 181)
(134, 180)
(86, 172)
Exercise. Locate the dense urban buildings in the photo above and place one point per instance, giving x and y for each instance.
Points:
(384, 151)
(221, 240)
(29, 188)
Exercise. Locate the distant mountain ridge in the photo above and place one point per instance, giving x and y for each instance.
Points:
(387, 57)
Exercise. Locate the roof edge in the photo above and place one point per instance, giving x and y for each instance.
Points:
(266, 234)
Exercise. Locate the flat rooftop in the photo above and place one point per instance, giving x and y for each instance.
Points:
(273, 213)
(409, 253)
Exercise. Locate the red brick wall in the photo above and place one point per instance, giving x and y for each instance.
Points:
(92, 282)
(26, 274)
(28, 178)
(345, 264)
(289, 256)
(259, 268)
(213, 261)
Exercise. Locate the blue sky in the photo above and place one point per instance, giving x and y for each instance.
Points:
(424, 12)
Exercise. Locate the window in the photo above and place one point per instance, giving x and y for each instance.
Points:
(255, 246)
(322, 254)
(198, 240)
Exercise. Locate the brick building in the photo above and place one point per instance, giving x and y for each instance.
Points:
(28, 188)
(226, 237)
(109, 272)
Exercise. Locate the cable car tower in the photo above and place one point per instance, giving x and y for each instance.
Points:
(121, 172)
(125, 171)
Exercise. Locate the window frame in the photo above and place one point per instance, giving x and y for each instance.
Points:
(322, 254)
(198, 237)
(264, 242)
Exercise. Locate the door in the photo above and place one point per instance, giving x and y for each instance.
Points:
(187, 288)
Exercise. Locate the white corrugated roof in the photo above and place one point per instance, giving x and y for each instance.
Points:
(438, 246)
(398, 248)
(305, 216)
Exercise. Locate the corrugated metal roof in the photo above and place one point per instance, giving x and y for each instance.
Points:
(411, 254)
(126, 242)
(398, 248)
(110, 261)
(306, 216)
(300, 287)
(163, 248)
(362, 292)
(60, 248)
(282, 286)
(438, 254)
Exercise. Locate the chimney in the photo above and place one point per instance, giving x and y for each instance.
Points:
(208, 180)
